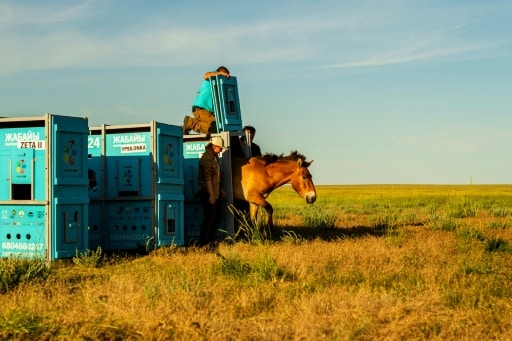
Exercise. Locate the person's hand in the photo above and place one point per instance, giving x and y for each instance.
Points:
(211, 199)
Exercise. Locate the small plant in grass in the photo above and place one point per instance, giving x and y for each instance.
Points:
(17, 270)
(479, 265)
(232, 265)
(89, 258)
(431, 210)
(167, 251)
(498, 245)
(462, 208)
(263, 268)
(291, 238)
(246, 229)
(396, 237)
(469, 234)
(498, 225)
(409, 217)
(149, 243)
(384, 223)
(499, 211)
(443, 223)
(266, 267)
(19, 325)
(388, 226)
(318, 217)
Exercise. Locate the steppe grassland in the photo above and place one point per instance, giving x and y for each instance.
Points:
(363, 262)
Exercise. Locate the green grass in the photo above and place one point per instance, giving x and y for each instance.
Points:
(17, 270)
(362, 263)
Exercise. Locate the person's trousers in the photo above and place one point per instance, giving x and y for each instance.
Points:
(203, 122)
(212, 215)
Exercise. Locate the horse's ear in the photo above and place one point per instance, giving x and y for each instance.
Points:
(302, 163)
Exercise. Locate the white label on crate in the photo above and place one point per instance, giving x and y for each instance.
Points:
(31, 144)
(194, 148)
(122, 139)
(133, 148)
(12, 139)
(93, 142)
(22, 246)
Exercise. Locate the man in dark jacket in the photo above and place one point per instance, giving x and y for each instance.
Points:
(210, 191)
(251, 132)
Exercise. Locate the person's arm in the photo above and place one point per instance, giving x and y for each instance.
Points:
(215, 73)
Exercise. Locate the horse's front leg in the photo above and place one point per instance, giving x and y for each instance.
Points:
(253, 211)
(259, 201)
(270, 221)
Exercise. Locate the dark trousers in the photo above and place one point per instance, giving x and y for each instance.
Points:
(212, 215)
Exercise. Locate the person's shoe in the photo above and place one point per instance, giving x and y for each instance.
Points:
(184, 127)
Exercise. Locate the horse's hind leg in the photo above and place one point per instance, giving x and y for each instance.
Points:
(270, 214)
(270, 221)
(256, 200)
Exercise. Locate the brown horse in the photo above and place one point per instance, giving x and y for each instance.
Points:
(255, 178)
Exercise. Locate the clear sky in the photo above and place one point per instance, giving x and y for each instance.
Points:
(375, 92)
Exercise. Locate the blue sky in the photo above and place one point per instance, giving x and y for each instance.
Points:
(375, 92)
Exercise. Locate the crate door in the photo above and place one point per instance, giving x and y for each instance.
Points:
(226, 103)
(69, 186)
(21, 175)
(70, 230)
(170, 221)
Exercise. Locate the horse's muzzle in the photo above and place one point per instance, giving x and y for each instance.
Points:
(311, 197)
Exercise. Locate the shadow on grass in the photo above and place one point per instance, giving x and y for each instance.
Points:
(327, 234)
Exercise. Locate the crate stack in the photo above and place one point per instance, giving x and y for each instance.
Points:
(139, 200)
(43, 186)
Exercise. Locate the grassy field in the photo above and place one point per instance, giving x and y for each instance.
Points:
(363, 263)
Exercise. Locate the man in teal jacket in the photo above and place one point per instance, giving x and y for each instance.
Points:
(204, 120)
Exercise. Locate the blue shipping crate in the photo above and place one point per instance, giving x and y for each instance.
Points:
(141, 167)
(45, 184)
(128, 163)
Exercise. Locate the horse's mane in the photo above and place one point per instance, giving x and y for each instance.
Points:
(271, 158)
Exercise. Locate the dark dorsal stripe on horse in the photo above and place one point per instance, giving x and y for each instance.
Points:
(271, 158)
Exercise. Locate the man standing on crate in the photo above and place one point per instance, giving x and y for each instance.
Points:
(204, 120)
(210, 190)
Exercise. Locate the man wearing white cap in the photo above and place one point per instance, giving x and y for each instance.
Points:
(210, 191)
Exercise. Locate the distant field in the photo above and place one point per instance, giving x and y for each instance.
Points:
(363, 263)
